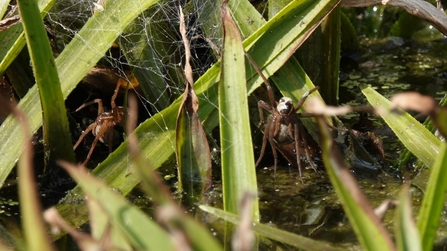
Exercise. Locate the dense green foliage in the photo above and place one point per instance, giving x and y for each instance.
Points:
(222, 89)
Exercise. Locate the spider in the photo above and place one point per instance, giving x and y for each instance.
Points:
(284, 126)
(103, 127)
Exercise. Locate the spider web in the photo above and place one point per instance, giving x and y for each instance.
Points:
(151, 48)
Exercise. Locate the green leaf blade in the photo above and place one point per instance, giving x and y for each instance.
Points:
(238, 169)
(433, 202)
(193, 154)
(292, 25)
(13, 39)
(127, 217)
(407, 235)
(57, 135)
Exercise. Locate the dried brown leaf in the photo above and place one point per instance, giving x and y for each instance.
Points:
(316, 106)
(193, 153)
(422, 9)
(414, 101)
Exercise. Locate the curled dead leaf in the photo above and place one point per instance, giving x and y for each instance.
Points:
(317, 107)
(422, 9)
(414, 101)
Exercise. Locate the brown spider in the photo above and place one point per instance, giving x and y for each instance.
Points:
(103, 127)
(284, 126)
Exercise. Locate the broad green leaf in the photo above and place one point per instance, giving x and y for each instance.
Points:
(193, 153)
(435, 124)
(407, 235)
(421, 142)
(280, 29)
(440, 120)
(248, 17)
(323, 46)
(142, 232)
(349, 38)
(20, 74)
(275, 6)
(238, 165)
(331, 33)
(368, 228)
(13, 39)
(3, 7)
(433, 202)
(406, 25)
(84, 51)
(56, 134)
(285, 237)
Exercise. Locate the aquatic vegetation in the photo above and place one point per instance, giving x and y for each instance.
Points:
(220, 97)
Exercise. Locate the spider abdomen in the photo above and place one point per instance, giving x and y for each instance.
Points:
(105, 128)
(283, 136)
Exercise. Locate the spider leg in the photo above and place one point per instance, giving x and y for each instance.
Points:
(270, 93)
(271, 127)
(276, 126)
(304, 97)
(263, 105)
(101, 132)
(297, 134)
(264, 144)
(115, 94)
(306, 149)
(275, 155)
(100, 106)
(89, 128)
